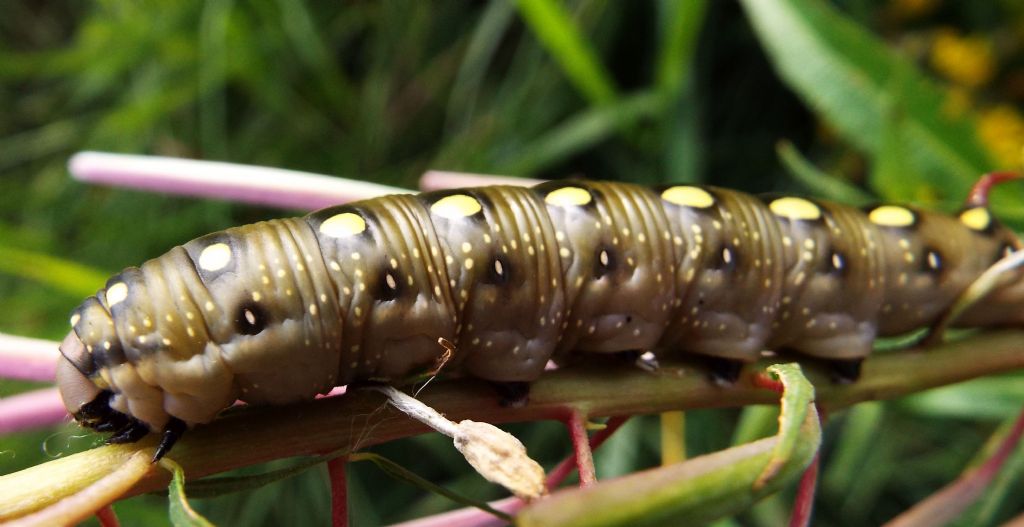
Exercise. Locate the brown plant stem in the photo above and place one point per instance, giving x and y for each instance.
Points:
(360, 418)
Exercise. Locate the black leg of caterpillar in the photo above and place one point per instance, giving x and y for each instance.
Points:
(724, 372)
(845, 371)
(135, 431)
(115, 422)
(172, 432)
(512, 394)
(97, 409)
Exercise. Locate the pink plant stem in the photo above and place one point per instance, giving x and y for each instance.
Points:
(441, 180)
(468, 516)
(581, 448)
(950, 502)
(107, 517)
(33, 409)
(27, 358)
(339, 491)
(276, 187)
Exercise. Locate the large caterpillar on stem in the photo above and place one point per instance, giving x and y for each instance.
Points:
(280, 311)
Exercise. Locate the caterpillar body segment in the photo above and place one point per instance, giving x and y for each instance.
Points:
(279, 311)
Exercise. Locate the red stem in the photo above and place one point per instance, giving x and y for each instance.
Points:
(763, 380)
(804, 503)
(978, 196)
(107, 517)
(339, 491)
(581, 447)
(562, 471)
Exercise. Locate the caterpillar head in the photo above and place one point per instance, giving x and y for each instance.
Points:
(236, 314)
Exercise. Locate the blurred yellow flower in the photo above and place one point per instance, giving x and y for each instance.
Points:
(957, 102)
(1001, 129)
(967, 61)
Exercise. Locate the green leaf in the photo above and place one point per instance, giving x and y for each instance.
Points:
(583, 130)
(556, 30)
(67, 277)
(818, 182)
(702, 489)
(681, 27)
(181, 513)
(850, 78)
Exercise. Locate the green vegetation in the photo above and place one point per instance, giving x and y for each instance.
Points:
(906, 99)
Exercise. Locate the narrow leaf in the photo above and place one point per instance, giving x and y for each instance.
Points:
(556, 30)
(75, 279)
(846, 74)
(181, 513)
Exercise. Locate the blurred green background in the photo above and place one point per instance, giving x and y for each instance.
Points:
(853, 100)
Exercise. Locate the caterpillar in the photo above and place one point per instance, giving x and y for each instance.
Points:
(279, 311)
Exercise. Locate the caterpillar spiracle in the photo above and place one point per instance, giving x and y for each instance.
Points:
(279, 311)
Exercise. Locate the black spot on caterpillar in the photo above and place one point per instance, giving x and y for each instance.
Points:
(282, 310)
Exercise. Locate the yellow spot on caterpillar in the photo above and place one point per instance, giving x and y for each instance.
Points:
(795, 209)
(456, 206)
(977, 218)
(209, 306)
(569, 197)
(688, 197)
(312, 309)
(891, 216)
(466, 247)
(343, 225)
(469, 263)
(74, 319)
(215, 257)
(256, 296)
(116, 293)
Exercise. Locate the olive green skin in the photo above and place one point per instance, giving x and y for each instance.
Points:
(521, 280)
